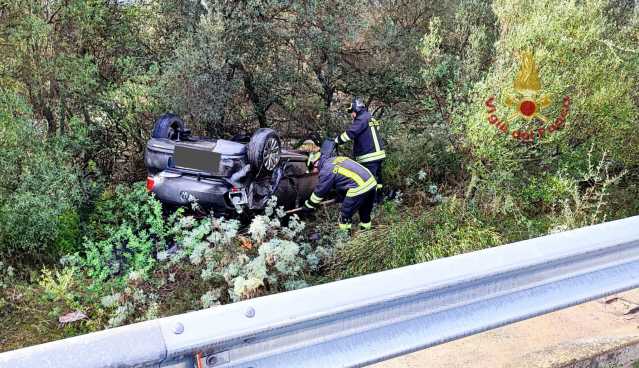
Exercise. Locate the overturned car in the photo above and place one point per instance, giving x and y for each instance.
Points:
(225, 176)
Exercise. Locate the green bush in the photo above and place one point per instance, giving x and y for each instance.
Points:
(583, 50)
(410, 152)
(39, 188)
(140, 264)
(125, 232)
(546, 191)
(131, 205)
(68, 239)
(7, 280)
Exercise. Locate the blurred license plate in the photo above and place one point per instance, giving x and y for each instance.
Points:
(197, 159)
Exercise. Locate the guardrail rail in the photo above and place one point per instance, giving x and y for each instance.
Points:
(363, 320)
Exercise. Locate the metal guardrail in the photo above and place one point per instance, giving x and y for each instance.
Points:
(367, 319)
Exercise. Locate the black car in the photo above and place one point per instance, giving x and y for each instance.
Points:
(224, 176)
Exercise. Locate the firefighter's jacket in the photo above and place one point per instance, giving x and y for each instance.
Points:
(367, 142)
(343, 175)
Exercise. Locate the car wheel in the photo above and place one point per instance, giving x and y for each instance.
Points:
(167, 126)
(264, 150)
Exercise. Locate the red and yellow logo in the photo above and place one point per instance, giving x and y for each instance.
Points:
(528, 104)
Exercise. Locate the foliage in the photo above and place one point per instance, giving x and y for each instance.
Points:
(451, 228)
(68, 238)
(87, 61)
(82, 81)
(38, 188)
(137, 262)
(127, 230)
(7, 278)
(269, 61)
(582, 53)
(294, 65)
(232, 266)
(59, 286)
(586, 206)
(431, 152)
(199, 63)
(131, 304)
(457, 49)
(274, 258)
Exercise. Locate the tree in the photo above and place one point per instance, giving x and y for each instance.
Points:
(277, 62)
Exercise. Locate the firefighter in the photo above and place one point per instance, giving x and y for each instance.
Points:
(352, 181)
(368, 148)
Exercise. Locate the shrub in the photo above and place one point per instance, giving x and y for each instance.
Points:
(68, 231)
(274, 258)
(7, 279)
(131, 205)
(545, 192)
(214, 258)
(39, 189)
(60, 286)
(125, 233)
(582, 50)
(587, 198)
(429, 152)
(133, 303)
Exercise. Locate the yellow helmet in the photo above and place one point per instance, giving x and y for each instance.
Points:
(309, 146)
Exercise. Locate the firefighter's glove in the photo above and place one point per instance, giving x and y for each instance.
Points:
(308, 208)
(342, 138)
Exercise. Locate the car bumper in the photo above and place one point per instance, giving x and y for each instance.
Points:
(180, 190)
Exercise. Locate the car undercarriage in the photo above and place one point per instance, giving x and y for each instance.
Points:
(226, 177)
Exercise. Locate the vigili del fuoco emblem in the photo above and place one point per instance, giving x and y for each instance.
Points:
(527, 104)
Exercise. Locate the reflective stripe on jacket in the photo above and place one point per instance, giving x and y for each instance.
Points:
(342, 174)
(367, 142)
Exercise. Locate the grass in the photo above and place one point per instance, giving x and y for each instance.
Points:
(409, 235)
(29, 313)
(29, 319)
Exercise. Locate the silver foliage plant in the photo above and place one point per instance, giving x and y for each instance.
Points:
(234, 262)
(266, 258)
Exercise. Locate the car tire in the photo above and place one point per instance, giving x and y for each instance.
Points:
(264, 150)
(167, 126)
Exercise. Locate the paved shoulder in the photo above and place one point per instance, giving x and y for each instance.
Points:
(601, 332)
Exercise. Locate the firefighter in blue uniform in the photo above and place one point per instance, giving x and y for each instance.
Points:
(368, 148)
(352, 181)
